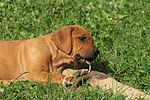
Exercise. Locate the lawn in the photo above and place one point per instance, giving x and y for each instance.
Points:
(120, 29)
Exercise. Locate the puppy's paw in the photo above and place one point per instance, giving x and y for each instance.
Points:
(67, 79)
(81, 72)
(84, 71)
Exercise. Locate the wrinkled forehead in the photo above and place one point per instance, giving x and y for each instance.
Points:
(81, 32)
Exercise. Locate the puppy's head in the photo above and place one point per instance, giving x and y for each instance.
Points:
(76, 42)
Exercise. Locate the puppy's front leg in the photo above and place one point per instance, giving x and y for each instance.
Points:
(42, 77)
(70, 71)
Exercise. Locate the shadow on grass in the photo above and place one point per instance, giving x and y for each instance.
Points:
(102, 66)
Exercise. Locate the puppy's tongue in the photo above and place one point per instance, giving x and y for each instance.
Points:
(86, 61)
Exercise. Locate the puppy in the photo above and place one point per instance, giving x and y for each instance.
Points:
(47, 56)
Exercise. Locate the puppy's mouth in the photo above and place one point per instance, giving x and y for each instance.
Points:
(83, 62)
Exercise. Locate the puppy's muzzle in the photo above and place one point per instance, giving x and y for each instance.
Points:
(92, 56)
(95, 51)
(84, 62)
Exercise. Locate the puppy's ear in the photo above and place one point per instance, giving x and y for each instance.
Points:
(62, 38)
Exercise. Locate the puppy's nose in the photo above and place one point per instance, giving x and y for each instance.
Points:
(96, 51)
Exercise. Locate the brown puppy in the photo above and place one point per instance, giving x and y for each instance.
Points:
(47, 56)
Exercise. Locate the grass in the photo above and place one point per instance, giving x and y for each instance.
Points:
(120, 28)
(30, 90)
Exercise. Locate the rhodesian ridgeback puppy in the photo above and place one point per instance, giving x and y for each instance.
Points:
(47, 56)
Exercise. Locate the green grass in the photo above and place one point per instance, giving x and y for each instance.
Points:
(35, 91)
(120, 28)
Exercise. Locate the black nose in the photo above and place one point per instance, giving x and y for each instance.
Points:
(96, 51)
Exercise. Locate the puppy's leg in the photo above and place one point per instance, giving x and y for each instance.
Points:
(7, 82)
(42, 77)
(75, 72)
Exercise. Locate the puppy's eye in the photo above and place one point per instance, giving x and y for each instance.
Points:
(82, 38)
